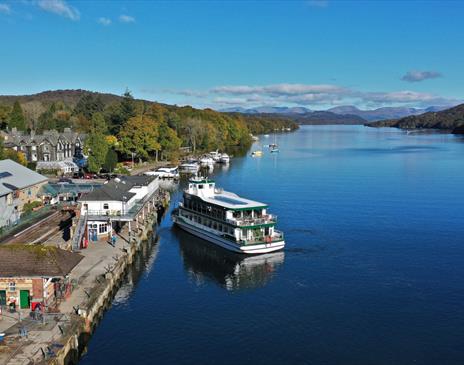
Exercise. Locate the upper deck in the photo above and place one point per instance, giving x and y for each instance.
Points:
(207, 191)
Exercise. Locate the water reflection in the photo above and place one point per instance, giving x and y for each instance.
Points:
(204, 261)
(141, 266)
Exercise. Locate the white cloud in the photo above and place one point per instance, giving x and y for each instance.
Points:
(104, 21)
(321, 95)
(126, 19)
(5, 8)
(59, 7)
(417, 76)
(279, 89)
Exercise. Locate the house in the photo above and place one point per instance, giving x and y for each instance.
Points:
(48, 146)
(118, 200)
(33, 274)
(18, 186)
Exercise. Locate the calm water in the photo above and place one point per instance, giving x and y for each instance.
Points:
(373, 271)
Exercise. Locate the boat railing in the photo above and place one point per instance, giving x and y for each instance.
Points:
(276, 236)
(218, 190)
(266, 219)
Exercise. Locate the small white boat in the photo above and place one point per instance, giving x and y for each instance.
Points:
(257, 153)
(224, 158)
(215, 155)
(275, 150)
(189, 167)
(206, 160)
(168, 172)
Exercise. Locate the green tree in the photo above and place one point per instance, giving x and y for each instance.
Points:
(98, 123)
(46, 121)
(111, 160)
(2, 149)
(127, 108)
(96, 148)
(17, 119)
(139, 135)
(88, 105)
(5, 111)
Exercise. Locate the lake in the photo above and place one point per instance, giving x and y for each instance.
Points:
(373, 270)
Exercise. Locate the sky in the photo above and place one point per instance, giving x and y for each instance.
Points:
(219, 54)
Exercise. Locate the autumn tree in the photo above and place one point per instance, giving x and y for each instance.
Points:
(139, 135)
(168, 140)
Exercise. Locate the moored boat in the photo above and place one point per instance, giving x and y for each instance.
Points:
(165, 172)
(224, 158)
(227, 220)
(189, 167)
(206, 160)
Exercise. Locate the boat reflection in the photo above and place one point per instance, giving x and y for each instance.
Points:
(204, 261)
(141, 266)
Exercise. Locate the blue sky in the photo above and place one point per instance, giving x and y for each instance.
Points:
(316, 54)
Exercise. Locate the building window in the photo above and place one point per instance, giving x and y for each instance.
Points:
(11, 286)
(103, 228)
(106, 206)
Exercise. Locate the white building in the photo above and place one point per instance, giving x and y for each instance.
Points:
(118, 200)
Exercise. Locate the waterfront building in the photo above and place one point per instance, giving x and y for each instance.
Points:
(31, 274)
(18, 186)
(47, 146)
(119, 200)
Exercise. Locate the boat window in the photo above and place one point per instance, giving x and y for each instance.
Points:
(210, 185)
(200, 186)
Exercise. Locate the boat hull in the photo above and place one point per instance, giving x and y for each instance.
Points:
(229, 245)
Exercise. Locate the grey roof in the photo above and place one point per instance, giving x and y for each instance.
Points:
(14, 176)
(118, 189)
(15, 137)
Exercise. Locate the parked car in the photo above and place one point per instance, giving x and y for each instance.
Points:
(65, 180)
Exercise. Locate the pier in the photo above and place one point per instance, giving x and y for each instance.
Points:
(60, 337)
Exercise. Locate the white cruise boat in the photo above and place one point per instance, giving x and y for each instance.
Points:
(227, 220)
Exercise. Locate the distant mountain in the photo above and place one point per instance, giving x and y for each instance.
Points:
(449, 119)
(323, 117)
(385, 112)
(300, 115)
(268, 110)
